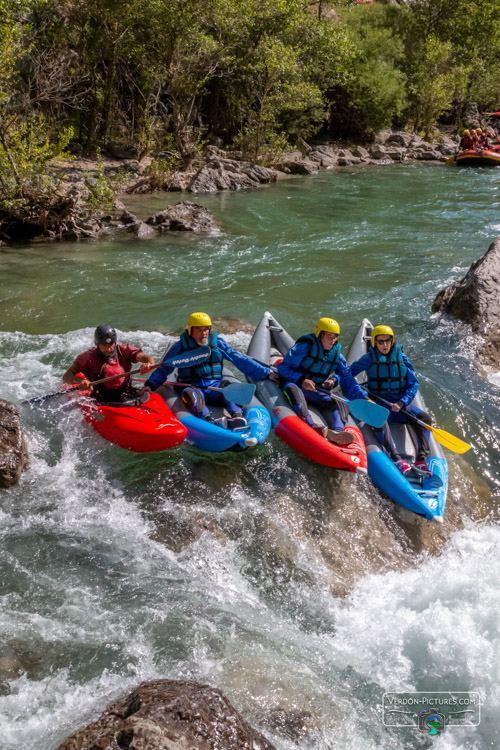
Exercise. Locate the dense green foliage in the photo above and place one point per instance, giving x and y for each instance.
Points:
(257, 73)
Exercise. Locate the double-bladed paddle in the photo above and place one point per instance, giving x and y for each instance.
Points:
(373, 414)
(444, 438)
(239, 393)
(186, 358)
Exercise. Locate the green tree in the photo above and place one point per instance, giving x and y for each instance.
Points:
(374, 96)
(434, 83)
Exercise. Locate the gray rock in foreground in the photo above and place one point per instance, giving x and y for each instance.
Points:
(476, 300)
(13, 452)
(169, 715)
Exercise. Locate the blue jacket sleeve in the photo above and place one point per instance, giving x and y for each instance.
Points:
(246, 365)
(159, 376)
(361, 365)
(288, 369)
(412, 383)
(350, 388)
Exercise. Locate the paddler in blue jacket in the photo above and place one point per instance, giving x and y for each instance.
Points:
(392, 377)
(315, 361)
(199, 332)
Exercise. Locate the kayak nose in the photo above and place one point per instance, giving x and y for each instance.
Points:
(438, 519)
(361, 470)
(250, 442)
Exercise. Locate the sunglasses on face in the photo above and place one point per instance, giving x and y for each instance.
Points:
(384, 341)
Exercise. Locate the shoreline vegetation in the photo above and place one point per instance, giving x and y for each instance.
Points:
(210, 95)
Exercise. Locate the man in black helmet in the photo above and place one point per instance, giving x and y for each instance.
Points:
(107, 358)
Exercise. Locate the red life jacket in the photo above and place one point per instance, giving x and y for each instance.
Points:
(93, 365)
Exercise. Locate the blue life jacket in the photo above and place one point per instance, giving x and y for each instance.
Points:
(318, 364)
(387, 374)
(211, 369)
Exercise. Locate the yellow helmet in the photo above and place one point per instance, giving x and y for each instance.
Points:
(479, 131)
(198, 319)
(379, 331)
(326, 324)
(466, 132)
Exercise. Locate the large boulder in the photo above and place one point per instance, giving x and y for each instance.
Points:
(13, 451)
(169, 715)
(221, 173)
(185, 216)
(476, 300)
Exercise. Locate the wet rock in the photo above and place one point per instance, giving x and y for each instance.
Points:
(292, 724)
(169, 715)
(13, 451)
(141, 230)
(82, 227)
(476, 300)
(347, 159)
(185, 216)
(304, 166)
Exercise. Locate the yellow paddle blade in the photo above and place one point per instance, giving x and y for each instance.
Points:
(449, 441)
(450, 161)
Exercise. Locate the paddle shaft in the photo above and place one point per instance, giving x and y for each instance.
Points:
(180, 359)
(405, 411)
(445, 439)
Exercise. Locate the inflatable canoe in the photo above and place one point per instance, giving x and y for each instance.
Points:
(211, 437)
(425, 496)
(473, 158)
(142, 425)
(269, 344)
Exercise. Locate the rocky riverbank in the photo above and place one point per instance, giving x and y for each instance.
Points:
(228, 170)
(70, 211)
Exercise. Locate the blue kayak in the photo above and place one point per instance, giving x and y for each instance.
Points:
(425, 496)
(210, 437)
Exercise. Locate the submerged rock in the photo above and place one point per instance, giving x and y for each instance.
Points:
(13, 451)
(476, 300)
(171, 715)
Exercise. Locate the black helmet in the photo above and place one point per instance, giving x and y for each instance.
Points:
(104, 335)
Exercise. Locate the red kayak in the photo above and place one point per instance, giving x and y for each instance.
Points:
(269, 345)
(141, 427)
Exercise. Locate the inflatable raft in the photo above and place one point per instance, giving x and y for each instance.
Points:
(473, 158)
(211, 437)
(425, 496)
(269, 344)
(142, 425)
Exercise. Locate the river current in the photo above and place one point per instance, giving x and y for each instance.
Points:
(118, 567)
